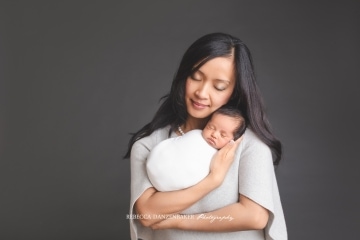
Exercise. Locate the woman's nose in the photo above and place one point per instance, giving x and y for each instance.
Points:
(202, 91)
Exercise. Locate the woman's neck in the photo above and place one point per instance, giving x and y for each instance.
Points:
(194, 123)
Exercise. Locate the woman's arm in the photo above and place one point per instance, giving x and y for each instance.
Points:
(243, 215)
(152, 202)
(256, 179)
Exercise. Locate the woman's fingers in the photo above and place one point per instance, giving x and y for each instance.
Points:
(223, 159)
(238, 141)
(235, 144)
(231, 147)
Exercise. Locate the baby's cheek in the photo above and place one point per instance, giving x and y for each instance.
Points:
(205, 133)
(222, 143)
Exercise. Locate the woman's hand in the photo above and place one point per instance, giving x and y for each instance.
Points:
(222, 161)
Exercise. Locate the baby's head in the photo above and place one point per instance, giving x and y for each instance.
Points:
(226, 124)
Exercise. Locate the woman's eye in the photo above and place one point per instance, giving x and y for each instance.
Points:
(195, 77)
(220, 87)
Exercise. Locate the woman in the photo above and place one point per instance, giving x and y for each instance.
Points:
(239, 199)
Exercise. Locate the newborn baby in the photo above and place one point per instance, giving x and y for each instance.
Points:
(181, 162)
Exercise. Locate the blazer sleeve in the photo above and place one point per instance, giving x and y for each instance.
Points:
(139, 180)
(257, 181)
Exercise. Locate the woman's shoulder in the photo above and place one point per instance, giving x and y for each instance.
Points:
(250, 137)
(153, 139)
(255, 155)
(252, 142)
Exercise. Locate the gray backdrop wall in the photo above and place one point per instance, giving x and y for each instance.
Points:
(78, 76)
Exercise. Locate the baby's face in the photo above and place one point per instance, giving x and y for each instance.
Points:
(219, 130)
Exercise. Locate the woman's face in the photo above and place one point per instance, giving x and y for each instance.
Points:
(210, 87)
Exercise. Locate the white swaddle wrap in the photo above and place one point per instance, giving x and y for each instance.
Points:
(180, 162)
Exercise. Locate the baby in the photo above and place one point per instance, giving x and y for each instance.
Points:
(181, 162)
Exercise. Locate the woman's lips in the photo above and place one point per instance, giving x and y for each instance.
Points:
(198, 105)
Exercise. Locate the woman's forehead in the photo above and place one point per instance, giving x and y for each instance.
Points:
(221, 68)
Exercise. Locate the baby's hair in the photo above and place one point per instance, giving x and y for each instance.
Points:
(234, 113)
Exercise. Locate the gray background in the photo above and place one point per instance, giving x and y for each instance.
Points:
(78, 76)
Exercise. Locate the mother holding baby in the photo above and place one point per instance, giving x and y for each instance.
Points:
(239, 198)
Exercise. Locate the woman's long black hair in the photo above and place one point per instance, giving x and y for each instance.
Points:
(246, 95)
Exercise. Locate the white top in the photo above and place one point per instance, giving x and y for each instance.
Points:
(251, 174)
(179, 162)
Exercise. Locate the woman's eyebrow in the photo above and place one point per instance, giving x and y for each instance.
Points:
(221, 80)
(200, 72)
(217, 79)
